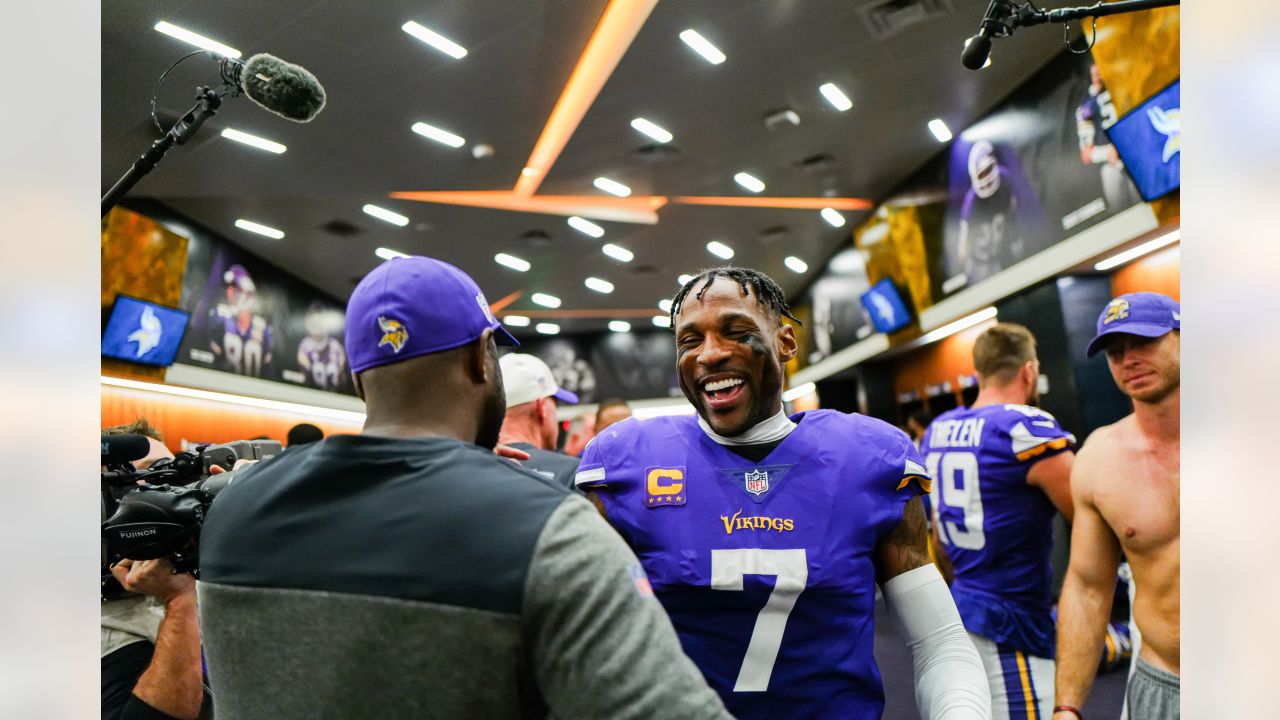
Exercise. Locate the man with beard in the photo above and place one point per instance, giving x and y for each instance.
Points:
(765, 535)
(407, 571)
(1125, 486)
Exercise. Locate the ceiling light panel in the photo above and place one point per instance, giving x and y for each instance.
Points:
(795, 264)
(512, 262)
(385, 215)
(196, 39)
(585, 226)
(663, 321)
(940, 129)
(835, 219)
(619, 326)
(599, 285)
(388, 253)
(702, 46)
(260, 229)
(719, 249)
(652, 130)
(435, 40)
(545, 300)
(750, 182)
(613, 187)
(617, 252)
(835, 96)
(547, 328)
(664, 306)
(683, 279)
(515, 320)
(254, 141)
(441, 136)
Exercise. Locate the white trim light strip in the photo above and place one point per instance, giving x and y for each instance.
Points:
(260, 229)
(1134, 253)
(244, 400)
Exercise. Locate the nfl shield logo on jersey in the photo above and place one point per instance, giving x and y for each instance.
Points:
(757, 482)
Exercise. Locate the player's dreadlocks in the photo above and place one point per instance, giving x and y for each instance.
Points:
(766, 290)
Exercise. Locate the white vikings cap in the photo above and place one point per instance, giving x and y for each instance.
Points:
(526, 378)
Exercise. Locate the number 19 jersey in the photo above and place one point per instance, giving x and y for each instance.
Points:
(995, 527)
(765, 568)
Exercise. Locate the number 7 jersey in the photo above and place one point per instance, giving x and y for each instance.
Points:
(765, 568)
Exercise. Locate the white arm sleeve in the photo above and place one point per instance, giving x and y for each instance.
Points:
(950, 681)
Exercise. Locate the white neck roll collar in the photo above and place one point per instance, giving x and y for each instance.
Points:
(771, 430)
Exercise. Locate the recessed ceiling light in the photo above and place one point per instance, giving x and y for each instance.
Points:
(253, 140)
(664, 305)
(619, 326)
(652, 130)
(749, 182)
(662, 320)
(199, 41)
(617, 252)
(599, 285)
(515, 320)
(939, 129)
(388, 253)
(386, 215)
(833, 217)
(440, 136)
(254, 227)
(684, 279)
(702, 46)
(796, 264)
(835, 96)
(719, 249)
(547, 328)
(583, 225)
(612, 187)
(545, 300)
(435, 40)
(512, 262)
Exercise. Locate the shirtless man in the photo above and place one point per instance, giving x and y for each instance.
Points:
(1125, 486)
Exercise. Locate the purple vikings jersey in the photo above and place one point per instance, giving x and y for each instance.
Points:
(996, 528)
(765, 568)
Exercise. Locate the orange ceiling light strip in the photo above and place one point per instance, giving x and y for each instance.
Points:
(496, 307)
(618, 26)
(640, 210)
(791, 203)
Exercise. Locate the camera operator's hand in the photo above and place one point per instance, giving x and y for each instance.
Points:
(154, 578)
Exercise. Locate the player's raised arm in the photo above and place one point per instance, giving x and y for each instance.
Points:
(1089, 587)
(950, 681)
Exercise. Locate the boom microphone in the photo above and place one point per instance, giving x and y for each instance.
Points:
(282, 88)
(978, 48)
(118, 449)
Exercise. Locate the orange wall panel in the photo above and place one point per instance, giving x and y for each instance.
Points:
(943, 361)
(1158, 272)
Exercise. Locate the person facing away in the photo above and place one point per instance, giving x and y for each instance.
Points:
(765, 535)
(1125, 486)
(1001, 470)
(610, 411)
(407, 571)
(530, 424)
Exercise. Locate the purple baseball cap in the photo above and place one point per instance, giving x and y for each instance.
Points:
(1146, 314)
(413, 306)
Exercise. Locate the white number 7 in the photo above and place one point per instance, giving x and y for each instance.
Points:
(791, 567)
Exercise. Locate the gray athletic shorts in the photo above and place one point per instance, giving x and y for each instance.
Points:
(1153, 693)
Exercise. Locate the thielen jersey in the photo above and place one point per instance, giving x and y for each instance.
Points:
(996, 529)
(765, 568)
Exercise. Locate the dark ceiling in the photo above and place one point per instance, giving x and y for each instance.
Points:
(379, 81)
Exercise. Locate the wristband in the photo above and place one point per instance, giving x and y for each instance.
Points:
(1070, 709)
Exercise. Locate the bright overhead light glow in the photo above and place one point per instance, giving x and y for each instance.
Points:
(512, 262)
(583, 225)
(662, 320)
(833, 217)
(199, 41)
(547, 328)
(254, 227)
(435, 40)
(1136, 252)
(702, 46)
(835, 96)
(388, 253)
(719, 249)
(386, 215)
(276, 405)
(649, 411)
(515, 320)
(684, 279)
(545, 300)
(612, 187)
(652, 130)
(952, 328)
(617, 252)
(254, 141)
(939, 129)
(440, 136)
(664, 306)
(619, 326)
(798, 391)
(795, 264)
(599, 285)
(750, 182)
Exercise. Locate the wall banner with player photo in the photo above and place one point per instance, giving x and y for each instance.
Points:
(837, 316)
(250, 318)
(631, 366)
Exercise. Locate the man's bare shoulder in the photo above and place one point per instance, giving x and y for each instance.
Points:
(1101, 453)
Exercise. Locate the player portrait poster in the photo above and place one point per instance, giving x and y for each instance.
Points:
(631, 366)
(249, 318)
(838, 318)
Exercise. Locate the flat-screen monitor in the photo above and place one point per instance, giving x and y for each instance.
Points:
(1149, 141)
(143, 332)
(885, 307)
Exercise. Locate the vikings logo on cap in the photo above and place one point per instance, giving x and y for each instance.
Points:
(1118, 309)
(393, 333)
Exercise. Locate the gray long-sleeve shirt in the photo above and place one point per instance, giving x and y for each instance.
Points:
(369, 577)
